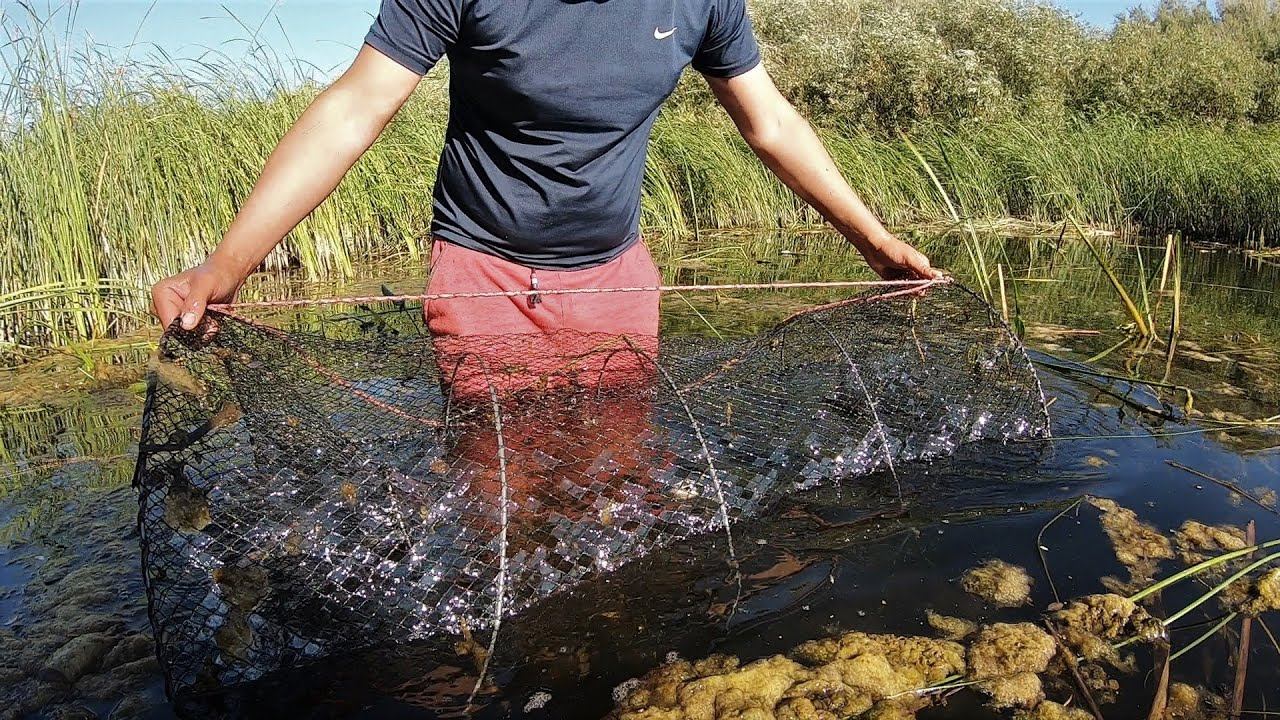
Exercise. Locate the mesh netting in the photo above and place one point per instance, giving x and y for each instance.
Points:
(305, 493)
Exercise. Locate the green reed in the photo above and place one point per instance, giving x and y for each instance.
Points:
(132, 173)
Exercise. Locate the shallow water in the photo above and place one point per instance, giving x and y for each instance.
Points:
(826, 561)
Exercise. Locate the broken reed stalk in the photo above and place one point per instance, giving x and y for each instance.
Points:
(1130, 306)
(1246, 627)
(1175, 320)
(1226, 484)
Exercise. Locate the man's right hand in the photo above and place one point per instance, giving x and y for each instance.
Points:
(188, 293)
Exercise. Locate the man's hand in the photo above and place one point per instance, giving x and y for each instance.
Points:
(893, 259)
(308, 163)
(189, 292)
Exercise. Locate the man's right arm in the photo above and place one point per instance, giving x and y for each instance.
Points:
(308, 163)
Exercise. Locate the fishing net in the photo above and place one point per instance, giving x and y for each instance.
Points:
(308, 492)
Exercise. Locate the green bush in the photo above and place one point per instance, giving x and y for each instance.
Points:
(889, 65)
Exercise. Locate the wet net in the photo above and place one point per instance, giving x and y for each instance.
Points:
(308, 492)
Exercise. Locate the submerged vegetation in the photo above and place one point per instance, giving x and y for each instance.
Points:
(112, 176)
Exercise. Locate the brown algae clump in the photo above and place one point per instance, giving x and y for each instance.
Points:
(1265, 495)
(839, 677)
(920, 661)
(1138, 546)
(999, 583)
(1264, 594)
(186, 508)
(1050, 710)
(713, 688)
(951, 628)
(242, 587)
(1006, 649)
(1022, 690)
(1091, 625)
(1190, 703)
(1197, 542)
(1007, 657)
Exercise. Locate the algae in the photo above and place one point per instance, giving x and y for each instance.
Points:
(1138, 546)
(951, 628)
(1263, 594)
(1022, 690)
(999, 583)
(186, 508)
(1197, 542)
(1091, 625)
(840, 677)
(242, 587)
(1002, 650)
(1190, 703)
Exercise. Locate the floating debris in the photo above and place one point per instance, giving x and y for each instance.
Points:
(537, 701)
(1003, 650)
(242, 587)
(1190, 703)
(186, 507)
(1138, 546)
(1050, 710)
(952, 628)
(999, 583)
(1197, 542)
(1091, 625)
(176, 376)
(228, 413)
(1263, 595)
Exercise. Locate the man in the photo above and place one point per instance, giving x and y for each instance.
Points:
(552, 103)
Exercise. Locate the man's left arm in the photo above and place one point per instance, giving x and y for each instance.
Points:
(788, 145)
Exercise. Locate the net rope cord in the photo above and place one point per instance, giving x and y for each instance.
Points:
(316, 484)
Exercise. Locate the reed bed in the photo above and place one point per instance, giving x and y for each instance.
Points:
(97, 202)
(112, 176)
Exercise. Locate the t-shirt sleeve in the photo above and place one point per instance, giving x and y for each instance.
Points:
(416, 33)
(729, 46)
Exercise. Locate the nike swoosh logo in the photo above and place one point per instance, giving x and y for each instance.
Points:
(659, 35)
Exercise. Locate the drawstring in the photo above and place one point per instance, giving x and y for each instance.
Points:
(534, 297)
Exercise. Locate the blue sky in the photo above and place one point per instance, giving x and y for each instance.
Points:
(322, 33)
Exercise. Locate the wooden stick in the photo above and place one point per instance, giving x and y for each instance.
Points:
(1242, 657)
(1069, 659)
(1226, 484)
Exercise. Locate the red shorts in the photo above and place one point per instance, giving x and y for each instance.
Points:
(518, 342)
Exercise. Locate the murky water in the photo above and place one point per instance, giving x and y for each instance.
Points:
(74, 636)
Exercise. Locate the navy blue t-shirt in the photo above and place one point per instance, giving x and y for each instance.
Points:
(551, 107)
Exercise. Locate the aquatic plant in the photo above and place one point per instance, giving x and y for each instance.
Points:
(999, 583)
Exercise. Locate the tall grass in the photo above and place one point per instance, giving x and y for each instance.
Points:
(98, 202)
(112, 177)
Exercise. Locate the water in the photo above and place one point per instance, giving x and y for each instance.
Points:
(824, 562)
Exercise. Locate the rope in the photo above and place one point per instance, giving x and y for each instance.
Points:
(310, 302)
